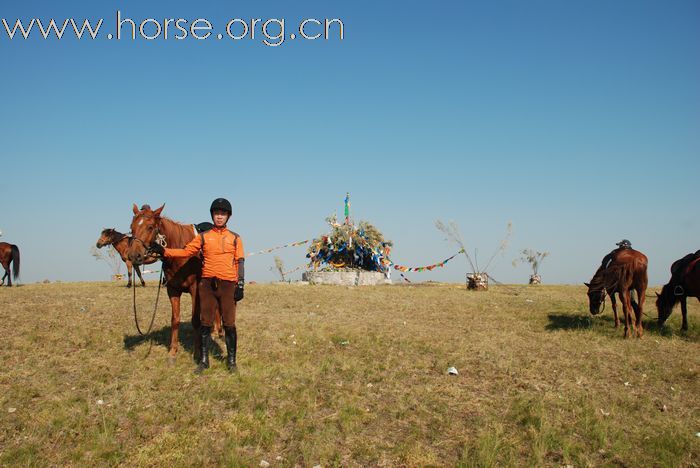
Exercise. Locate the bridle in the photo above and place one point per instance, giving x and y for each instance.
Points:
(159, 238)
(603, 294)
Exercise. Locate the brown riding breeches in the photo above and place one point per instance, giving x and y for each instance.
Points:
(216, 294)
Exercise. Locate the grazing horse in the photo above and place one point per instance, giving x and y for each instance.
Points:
(120, 242)
(626, 271)
(181, 275)
(685, 282)
(9, 253)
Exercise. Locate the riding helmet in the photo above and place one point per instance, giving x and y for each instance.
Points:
(221, 204)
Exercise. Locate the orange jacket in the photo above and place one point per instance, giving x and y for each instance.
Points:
(220, 256)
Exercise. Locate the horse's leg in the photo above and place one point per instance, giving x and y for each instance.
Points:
(129, 271)
(9, 276)
(138, 272)
(684, 311)
(613, 301)
(641, 297)
(7, 273)
(196, 323)
(174, 324)
(626, 306)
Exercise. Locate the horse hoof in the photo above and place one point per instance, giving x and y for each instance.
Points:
(171, 360)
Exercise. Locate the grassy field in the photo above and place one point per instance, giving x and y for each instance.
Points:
(347, 376)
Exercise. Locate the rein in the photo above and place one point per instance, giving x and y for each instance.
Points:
(603, 291)
(155, 308)
(603, 294)
(160, 239)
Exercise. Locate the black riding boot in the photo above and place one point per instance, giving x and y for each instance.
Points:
(231, 344)
(205, 334)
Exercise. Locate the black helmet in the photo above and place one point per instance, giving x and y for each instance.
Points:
(624, 244)
(221, 204)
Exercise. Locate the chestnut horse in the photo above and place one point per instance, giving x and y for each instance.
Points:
(181, 274)
(626, 271)
(9, 253)
(120, 242)
(685, 283)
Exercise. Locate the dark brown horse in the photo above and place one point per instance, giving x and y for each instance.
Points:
(181, 275)
(627, 271)
(9, 253)
(685, 283)
(120, 242)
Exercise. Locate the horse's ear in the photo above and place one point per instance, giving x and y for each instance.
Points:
(587, 285)
(135, 209)
(657, 294)
(157, 212)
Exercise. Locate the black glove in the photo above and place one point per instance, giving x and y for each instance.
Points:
(238, 292)
(156, 249)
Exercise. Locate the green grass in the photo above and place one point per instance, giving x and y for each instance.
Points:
(347, 376)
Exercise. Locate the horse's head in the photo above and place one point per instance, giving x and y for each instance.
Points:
(665, 302)
(145, 227)
(596, 298)
(106, 238)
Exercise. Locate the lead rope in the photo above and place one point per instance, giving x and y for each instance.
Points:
(161, 240)
(155, 308)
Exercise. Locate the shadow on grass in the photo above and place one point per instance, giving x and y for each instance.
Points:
(162, 338)
(578, 321)
(573, 321)
(668, 330)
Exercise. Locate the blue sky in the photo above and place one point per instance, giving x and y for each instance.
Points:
(579, 121)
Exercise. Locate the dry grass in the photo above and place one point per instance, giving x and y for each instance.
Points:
(348, 376)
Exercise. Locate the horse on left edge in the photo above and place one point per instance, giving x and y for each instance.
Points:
(9, 253)
(120, 242)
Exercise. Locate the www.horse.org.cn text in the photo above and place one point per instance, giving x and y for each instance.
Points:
(271, 32)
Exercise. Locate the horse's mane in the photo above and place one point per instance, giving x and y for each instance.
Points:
(598, 280)
(610, 277)
(177, 235)
(114, 235)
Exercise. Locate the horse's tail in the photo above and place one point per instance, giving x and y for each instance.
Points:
(15, 261)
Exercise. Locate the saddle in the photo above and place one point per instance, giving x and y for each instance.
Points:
(682, 267)
(203, 227)
(607, 260)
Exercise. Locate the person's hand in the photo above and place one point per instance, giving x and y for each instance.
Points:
(238, 292)
(156, 249)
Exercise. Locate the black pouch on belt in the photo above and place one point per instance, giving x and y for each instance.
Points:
(214, 284)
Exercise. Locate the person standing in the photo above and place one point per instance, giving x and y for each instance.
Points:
(222, 280)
